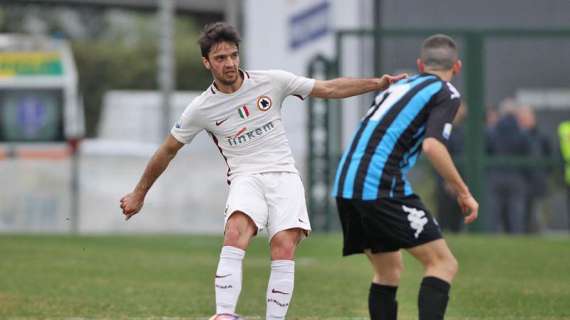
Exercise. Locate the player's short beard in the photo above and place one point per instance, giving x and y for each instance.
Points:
(225, 82)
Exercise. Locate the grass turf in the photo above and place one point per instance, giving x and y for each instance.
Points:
(123, 277)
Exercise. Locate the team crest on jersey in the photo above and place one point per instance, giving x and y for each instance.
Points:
(243, 112)
(263, 103)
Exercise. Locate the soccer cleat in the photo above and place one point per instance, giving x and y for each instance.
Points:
(226, 316)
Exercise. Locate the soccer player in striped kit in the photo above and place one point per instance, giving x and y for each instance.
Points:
(379, 212)
(241, 111)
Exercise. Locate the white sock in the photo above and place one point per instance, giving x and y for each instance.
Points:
(228, 279)
(280, 288)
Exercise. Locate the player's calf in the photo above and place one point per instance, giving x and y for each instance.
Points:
(280, 288)
(440, 269)
(388, 267)
(228, 281)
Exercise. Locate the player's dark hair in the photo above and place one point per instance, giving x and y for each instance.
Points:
(439, 52)
(215, 33)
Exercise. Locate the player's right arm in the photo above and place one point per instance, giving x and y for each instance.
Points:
(132, 203)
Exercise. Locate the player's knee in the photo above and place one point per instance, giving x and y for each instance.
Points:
(452, 266)
(448, 266)
(398, 270)
(237, 237)
(389, 274)
(239, 230)
(232, 236)
(283, 250)
(390, 277)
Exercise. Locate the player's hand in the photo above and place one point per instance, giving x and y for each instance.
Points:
(469, 207)
(131, 204)
(388, 79)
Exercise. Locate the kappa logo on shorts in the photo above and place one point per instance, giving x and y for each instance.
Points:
(417, 219)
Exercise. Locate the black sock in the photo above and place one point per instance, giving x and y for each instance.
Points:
(382, 303)
(433, 297)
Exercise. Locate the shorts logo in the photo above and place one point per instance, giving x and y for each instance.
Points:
(263, 103)
(243, 112)
(417, 219)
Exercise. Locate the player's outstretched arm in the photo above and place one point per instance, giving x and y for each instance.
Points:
(132, 203)
(347, 87)
(439, 157)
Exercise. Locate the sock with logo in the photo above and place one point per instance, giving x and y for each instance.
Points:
(433, 297)
(228, 279)
(382, 303)
(280, 288)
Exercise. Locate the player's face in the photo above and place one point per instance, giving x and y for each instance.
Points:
(223, 62)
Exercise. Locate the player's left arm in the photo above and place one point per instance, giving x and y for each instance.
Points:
(443, 108)
(440, 159)
(347, 87)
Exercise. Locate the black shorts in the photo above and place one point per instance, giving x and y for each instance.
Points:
(385, 225)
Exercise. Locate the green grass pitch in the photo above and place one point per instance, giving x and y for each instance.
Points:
(164, 277)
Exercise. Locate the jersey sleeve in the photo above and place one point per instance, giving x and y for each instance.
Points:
(188, 126)
(293, 84)
(444, 106)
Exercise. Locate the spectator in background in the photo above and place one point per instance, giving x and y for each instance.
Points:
(449, 212)
(537, 177)
(491, 116)
(507, 183)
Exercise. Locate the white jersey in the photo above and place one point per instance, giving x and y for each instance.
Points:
(246, 125)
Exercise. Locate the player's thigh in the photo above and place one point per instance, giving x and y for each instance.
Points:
(387, 266)
(285, 196)
(354, 238)
(246, 197)
(404, 222)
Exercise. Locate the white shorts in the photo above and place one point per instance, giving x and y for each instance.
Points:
(274, 201)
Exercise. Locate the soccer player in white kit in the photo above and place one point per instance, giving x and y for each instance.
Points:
(241, 111)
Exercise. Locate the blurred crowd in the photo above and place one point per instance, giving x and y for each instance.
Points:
(513, 190)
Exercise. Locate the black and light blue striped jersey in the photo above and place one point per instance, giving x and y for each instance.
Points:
(389, 139)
